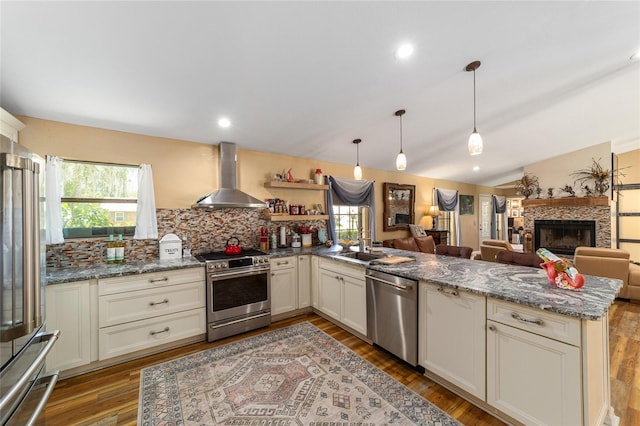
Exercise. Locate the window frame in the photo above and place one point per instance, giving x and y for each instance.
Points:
(97, 231)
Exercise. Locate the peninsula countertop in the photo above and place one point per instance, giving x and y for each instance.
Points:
(518, 284)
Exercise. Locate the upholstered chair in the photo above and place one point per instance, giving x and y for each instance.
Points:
(610, 263)
(422, 244)
(454, 251)
(490, 248)
(514, 258)
(426, 244)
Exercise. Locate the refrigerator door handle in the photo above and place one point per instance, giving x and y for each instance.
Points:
(51, 337)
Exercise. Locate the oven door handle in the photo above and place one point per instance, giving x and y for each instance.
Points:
(50, 380)
(217, 277)
(51, 338)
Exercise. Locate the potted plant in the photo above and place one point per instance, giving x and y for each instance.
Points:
(595, 173)
(527, 185)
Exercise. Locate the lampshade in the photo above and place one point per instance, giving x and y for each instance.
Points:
(475, 143)
(357, 171)
(401, 159)
(434, 212)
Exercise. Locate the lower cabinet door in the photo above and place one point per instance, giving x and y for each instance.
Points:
(534, 379)
(354, 303)
(137, 335)
(69, 307)
(284, 292)
(452, 336)
(330, 294)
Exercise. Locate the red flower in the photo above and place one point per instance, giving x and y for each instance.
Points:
(318, 171)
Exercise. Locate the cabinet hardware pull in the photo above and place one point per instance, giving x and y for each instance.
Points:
(153, 333)
(492, 328)
(158, 303)
(448, 293)
(515, 316)
(273, 274)
(159, 280)
(282, 263)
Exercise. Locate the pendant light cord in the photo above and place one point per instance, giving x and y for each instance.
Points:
(474, 101)
(401, 134)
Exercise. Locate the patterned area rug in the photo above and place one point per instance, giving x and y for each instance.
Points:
(297, 375)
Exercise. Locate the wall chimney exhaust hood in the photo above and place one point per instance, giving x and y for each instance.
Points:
(228, 196)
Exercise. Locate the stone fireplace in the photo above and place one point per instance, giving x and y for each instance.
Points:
(570, 210)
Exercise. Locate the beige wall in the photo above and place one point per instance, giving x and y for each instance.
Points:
(184, 171)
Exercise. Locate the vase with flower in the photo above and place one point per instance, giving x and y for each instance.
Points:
(318, 177)
(306, 232)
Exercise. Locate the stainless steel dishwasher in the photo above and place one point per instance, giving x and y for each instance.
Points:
(392, 314)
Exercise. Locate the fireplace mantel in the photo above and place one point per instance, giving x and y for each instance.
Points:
(566, 202)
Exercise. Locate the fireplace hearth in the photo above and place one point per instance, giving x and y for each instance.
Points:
(563, 236)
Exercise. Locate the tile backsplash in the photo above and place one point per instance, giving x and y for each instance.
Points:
(199, 229)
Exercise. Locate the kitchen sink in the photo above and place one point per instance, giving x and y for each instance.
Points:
(366, 257)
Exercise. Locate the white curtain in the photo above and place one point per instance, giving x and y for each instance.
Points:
(53, 200)
(449, 201)
(146, 222)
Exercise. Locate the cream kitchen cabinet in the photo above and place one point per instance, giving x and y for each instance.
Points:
(315, 274)
(451, 336)
(290, 284)
(342, 294)
(72, 309)
(304, 281)
(545, 368)
(284, 288)
(138, 312)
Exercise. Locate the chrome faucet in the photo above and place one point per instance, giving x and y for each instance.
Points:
(362, 247)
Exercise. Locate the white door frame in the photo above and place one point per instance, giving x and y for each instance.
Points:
(484, 218)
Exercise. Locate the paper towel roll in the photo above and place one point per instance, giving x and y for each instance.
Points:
(283, 236)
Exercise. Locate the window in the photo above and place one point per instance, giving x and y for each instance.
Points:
(349, 219)
(98, 199)
(448, 223)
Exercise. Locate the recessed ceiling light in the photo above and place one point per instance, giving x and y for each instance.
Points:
(224, 122)
(635, 56)
(404, 51)
(476, 168)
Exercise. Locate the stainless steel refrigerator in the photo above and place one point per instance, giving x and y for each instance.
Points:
(24, 343)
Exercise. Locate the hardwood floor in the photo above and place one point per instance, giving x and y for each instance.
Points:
(110, 396)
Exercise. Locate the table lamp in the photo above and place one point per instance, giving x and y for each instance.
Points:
(434, 212)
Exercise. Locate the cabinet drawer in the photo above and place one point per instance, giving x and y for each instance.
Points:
(134, 336)
(149, 280)
(119, 308)
(282, 263)
(549, 324)
(341, 268)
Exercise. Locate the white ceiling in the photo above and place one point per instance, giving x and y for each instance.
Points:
(306, 78)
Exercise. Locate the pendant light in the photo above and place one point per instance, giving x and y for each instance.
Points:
(401, 159)
(475, 140)
(357, 171)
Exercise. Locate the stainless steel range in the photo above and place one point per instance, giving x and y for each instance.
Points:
(238, 292)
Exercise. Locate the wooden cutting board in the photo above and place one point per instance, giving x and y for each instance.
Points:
(392, 260)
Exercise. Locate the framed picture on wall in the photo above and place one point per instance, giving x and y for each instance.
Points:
(466, 204)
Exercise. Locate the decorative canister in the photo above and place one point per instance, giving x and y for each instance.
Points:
(306, 240)
(170, 247)
(319, 177)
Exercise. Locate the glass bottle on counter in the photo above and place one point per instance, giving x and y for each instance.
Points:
(119, 250)
(274, 241)
(111, 250)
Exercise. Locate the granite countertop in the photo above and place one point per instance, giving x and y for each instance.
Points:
(518, 284)
(80, 273)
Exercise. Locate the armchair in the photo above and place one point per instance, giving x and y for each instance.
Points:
(610, 263)
(490, 248)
